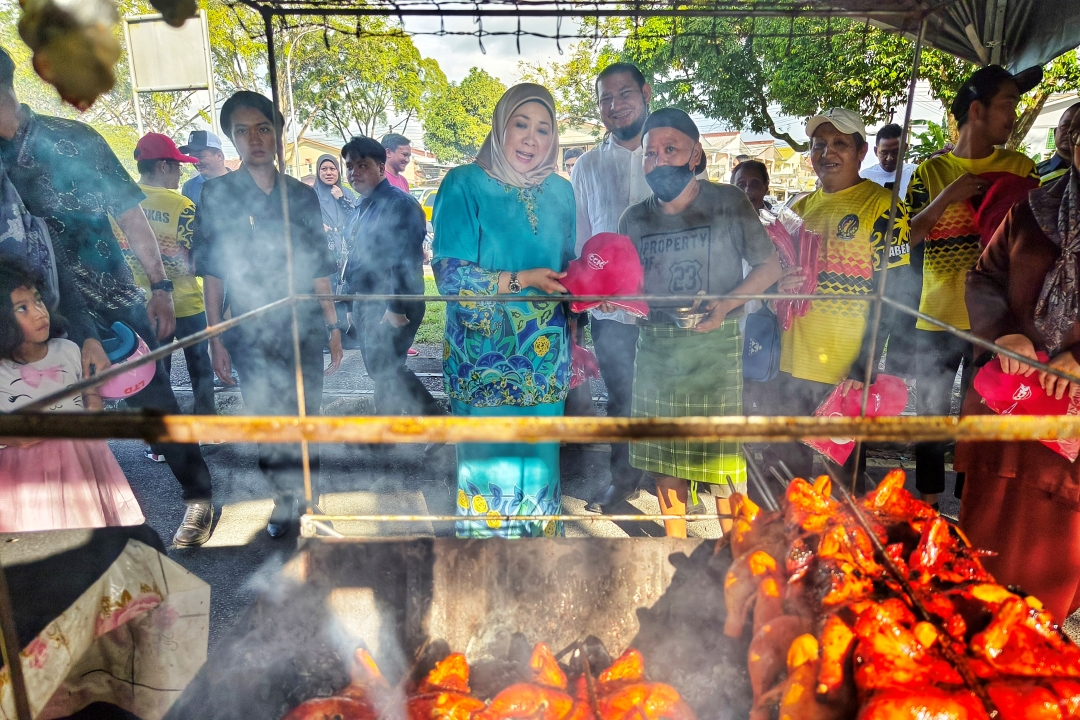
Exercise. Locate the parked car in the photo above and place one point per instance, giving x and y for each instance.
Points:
(426, 197)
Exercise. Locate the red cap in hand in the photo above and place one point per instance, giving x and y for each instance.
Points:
(609, 265)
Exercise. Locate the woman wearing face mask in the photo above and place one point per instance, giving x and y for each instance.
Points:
(337, 202)
(505, 224)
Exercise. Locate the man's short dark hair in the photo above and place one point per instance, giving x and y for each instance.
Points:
(619, 68)
(755, 165)
(255, 101)
(392, 141)
(364, 147)
(890, 132)
(572, 153)
(145, 167)
(7, 70)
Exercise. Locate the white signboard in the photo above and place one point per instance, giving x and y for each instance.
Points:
(167, 59)
(164, 58)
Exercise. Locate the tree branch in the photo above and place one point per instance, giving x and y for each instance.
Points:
(1026, 120)
(763, 108)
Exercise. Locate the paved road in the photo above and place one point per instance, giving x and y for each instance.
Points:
(241, 560)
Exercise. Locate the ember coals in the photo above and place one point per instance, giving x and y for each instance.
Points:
(619, 692)
(841, 631)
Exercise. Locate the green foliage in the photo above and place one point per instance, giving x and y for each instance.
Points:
(345, 82)
(572, 83)
(744, 71)
(237, 47)
(431, 330)
(929, 140)
(1060, 75)
(457, 117)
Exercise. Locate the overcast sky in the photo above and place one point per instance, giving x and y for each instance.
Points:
(457, 54)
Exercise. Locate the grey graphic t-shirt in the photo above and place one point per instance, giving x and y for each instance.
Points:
(700, 249)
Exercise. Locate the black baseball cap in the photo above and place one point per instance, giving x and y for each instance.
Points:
(984, 84)
(676, 119)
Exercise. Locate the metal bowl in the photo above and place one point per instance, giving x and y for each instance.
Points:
(688, 320)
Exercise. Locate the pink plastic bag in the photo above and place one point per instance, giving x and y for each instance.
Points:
(888, 397)
(583, 365)
(1019, 395)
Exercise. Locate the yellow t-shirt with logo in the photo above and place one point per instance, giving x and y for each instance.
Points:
(171, 217)
(853, 225)
(951, 248)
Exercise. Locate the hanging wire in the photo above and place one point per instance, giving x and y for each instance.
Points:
(894, 205)
(298, 370)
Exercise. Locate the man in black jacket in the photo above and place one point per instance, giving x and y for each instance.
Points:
(386, 256)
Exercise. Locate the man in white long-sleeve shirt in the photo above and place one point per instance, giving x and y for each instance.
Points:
(607, 180)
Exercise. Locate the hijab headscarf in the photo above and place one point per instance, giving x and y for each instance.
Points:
(335, 211)
(491, 156)
(1056, 208)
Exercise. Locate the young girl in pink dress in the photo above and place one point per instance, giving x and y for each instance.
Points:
(50, 484)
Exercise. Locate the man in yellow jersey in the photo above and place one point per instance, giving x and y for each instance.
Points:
(1059, 163)
(171, 216)
(831, 344)
(941, 218)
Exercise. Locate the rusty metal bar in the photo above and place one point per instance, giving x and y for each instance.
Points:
(384, 429)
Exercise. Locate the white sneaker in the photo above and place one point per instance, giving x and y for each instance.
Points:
(151, 455)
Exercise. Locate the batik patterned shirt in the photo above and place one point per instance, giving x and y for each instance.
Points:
(514, 353)
(68, 175)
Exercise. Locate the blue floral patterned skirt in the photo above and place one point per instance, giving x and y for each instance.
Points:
(508, 479)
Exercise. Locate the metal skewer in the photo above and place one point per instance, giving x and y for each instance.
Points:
(954, 658)
(779, 478)
(754, 473)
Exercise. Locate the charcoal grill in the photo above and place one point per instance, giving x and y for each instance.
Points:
(398, 597)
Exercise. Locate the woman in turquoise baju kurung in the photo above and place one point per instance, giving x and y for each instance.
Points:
(497, 216)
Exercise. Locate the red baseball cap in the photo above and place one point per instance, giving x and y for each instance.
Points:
(609, 265)
(155, 146)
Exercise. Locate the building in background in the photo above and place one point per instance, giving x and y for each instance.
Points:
(1039, 143)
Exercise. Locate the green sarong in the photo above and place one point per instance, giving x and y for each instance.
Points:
(682, 373)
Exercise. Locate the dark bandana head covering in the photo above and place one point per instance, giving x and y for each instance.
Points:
(1056, 208)
(491, 156)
